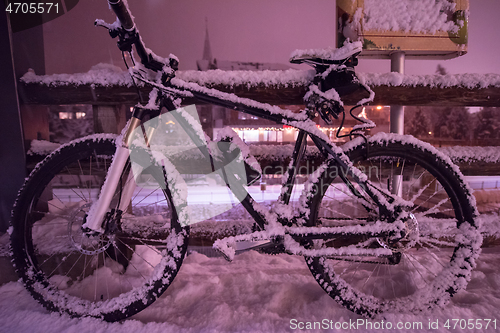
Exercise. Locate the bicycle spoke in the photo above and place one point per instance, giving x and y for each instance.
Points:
(121, 276)
(56, 217)
(418, 271)
(392, 282)
(426, 201)
(430, 242)
(131, 264)
(147, 262)
(59, 265)
(96, 279)
(366, 281)
(82, 196)
(433, 255)
(149, 246)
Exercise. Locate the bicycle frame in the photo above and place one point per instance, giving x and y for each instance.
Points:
(302, 121)
(168, 88)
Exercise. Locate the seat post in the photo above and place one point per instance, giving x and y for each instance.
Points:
(397, 111)
(397, 120)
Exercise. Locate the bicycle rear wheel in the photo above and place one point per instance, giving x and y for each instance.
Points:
(435, 258)
(111, 276)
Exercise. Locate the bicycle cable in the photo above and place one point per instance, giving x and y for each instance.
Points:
(141, 100)
(353, 132)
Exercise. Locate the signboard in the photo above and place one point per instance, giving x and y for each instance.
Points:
(434, 29)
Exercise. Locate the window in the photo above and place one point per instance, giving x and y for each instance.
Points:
(65, 115)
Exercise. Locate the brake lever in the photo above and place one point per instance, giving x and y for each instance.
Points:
(129, 38)
(114, 29)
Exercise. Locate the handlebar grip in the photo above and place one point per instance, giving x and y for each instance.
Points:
(123, 14)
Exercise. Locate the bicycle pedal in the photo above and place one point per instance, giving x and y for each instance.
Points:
(229, 250)
(224, 255)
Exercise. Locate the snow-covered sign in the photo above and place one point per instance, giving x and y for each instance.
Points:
(432, 28)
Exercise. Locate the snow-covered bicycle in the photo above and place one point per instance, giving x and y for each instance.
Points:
(101, 226)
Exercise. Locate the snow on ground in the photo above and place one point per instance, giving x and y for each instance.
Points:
(255, 293)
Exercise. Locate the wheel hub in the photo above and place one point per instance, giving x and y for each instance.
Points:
(86, 243)
(410, 236)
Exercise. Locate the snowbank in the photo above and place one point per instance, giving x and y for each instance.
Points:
(255, 293)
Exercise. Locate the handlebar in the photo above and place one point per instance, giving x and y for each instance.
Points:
(130, 36)
(123, 14)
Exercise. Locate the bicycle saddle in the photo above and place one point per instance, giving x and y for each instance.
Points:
(328, 56)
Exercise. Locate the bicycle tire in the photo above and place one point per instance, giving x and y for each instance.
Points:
(110, 277)
(434, 262)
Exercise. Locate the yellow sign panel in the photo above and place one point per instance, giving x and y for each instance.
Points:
(435, 29)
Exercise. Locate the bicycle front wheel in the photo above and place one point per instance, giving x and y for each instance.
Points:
(111, 276)
(435, 257)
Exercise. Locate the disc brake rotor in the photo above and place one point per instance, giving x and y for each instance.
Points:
(408, 241)
(82, 242)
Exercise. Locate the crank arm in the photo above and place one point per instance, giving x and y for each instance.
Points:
(230, 246)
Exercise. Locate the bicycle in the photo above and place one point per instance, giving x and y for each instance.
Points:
(386, 223)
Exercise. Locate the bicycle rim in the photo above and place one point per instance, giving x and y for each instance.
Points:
(112, 276)
(434, 259)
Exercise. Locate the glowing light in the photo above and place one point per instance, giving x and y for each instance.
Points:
(379, 107)
(237, 129)
(430, 132)
(276, 129)
(65, 115)
(80, 115)
(363, 114)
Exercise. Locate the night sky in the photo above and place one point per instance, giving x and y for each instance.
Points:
(254, 30)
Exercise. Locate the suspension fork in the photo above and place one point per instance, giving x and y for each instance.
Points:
(130, 183)
(99, 209)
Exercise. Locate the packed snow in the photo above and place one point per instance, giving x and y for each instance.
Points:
(254, 293)
(472, 154)
(348, 50)
(288, 78)
(469, 81)
(100, 74)
(42, 147)
(458, 154)
(109, 75)
(423, 16)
